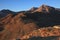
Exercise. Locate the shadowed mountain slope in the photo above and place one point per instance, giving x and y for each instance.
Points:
(4, 12)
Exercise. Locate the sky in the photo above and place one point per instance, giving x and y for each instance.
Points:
(19, 5)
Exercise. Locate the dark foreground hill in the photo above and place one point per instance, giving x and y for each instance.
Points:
(14, 25)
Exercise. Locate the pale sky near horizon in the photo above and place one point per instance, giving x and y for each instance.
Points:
(19, 5)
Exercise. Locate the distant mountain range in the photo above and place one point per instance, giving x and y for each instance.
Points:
(16, 24)
(43, 8)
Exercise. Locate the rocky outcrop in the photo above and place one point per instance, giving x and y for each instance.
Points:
(43, 33)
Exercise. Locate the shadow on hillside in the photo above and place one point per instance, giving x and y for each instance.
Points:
(42, 19)
(1, 27)
(45, 38)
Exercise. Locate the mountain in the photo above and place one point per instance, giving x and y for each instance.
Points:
(4, 12)
(14, 25)
(46, 9)
(32, 9)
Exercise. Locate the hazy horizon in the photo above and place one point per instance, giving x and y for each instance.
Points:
(19, 5)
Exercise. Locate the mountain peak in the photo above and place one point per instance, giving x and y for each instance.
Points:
(33, 9)
(44, 8)
(44, 5)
